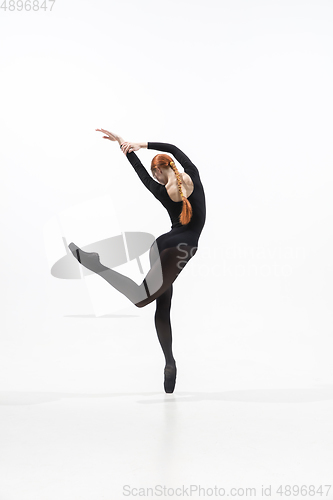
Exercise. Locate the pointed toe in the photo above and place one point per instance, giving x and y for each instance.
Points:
(170, 373)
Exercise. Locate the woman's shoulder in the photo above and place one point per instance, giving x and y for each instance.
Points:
(188, 184)
(186, 179)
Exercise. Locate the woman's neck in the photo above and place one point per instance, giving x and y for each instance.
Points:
(172, 178)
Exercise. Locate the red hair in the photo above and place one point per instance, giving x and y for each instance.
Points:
(165, 161)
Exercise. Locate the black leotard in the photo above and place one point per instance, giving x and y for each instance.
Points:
(188, 233)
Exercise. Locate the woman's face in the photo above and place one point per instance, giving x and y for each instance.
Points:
(160, 176)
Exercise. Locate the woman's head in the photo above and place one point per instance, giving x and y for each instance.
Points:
(159, 166)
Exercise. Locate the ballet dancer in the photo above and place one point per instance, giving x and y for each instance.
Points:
(183, 196)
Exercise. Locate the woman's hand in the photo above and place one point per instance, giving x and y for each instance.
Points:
(111, 136)
(128, 147)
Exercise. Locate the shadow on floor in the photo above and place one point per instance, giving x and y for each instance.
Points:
(102, 317)
(302, 395)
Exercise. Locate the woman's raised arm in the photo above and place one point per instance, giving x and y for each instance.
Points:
(128, 149)
(184, 160)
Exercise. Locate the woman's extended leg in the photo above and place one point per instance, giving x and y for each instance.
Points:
(162, 274)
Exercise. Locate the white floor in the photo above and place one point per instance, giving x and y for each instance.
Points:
(234, 423)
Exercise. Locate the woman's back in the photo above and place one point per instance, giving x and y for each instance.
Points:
(174, 208)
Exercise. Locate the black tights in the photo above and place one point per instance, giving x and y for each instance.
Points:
(157, 285)
(163, 324)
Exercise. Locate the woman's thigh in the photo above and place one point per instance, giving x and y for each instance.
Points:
(166, 268)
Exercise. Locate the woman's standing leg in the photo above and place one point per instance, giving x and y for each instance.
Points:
(162, 313)
(163, 324)
(164, 334)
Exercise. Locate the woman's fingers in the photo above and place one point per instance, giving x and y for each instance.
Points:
(127, 147)
(100, 130)
(108, 133)
(111, 136)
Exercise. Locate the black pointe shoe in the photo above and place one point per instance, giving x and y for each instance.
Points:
(90, 260)
(170, 373)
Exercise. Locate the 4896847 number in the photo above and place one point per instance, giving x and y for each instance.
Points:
(34, 5)
(304, 490)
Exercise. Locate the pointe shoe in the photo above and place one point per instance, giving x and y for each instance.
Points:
(170, 373)
(87, 259)
(75, 251)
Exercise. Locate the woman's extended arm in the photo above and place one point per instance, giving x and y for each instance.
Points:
(185, 162)
(154, 187)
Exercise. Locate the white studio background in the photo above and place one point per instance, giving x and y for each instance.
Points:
(244, 88)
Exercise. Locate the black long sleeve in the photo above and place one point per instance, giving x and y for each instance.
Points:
(154, 187)
(181, 157)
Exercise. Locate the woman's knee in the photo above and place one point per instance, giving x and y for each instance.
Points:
(140, 304)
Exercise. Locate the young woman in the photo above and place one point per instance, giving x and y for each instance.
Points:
(183, 196)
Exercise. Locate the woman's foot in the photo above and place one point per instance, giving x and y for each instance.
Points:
(170, 373)
(90, 260)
